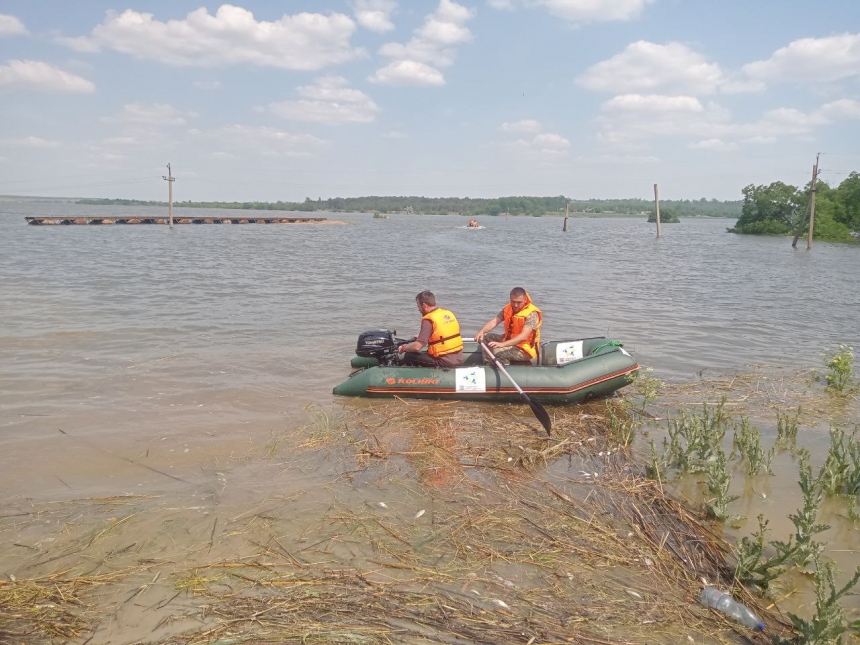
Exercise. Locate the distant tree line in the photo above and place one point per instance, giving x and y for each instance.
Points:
(781, 209)
(533, 206)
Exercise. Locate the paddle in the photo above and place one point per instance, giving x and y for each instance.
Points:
(539, 411)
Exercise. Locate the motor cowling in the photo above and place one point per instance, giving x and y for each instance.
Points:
(379, 344)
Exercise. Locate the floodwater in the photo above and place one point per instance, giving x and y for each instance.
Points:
(188, 346)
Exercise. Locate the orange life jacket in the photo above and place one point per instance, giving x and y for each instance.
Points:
(514, 323)
(445, 338)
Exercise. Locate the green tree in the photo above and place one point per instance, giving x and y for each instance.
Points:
(668, 215)
(770, 210)
(848, 198)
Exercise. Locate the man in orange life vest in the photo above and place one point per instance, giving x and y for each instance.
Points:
(440, 332)
(521, 339)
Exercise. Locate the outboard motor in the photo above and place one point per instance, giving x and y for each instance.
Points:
(379, 344)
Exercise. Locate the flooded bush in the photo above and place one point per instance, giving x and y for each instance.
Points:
(786, 430)
(828, 623)
(747, 443)
(840, 474)
(694, 439)
(719, 481)
(841, 371)
(752, 568)
(801, 548)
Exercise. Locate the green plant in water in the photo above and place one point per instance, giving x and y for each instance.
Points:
(786, 430)
(840, 474)
(801, 548)
(655, 466)
(840, 365)
(622, 426)
(719, 481)
(747, 442)
(647, 385)
(751, 568)
(828, 622)
(693, 439)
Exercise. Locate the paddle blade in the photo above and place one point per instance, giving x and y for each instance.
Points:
(541, 413)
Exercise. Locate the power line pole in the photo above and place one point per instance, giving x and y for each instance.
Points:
(169, 179)
(657, 210)
(812, 203)
(566, 212)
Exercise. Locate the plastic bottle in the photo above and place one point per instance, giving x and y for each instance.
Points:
(722, 601)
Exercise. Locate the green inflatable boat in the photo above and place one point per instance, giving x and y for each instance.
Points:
(572, 371)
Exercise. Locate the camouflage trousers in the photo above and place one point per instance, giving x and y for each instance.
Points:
(506, 354)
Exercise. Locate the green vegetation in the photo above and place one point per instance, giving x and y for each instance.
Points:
(719, 481)
(668, 215)
(839, 363)
(781, 209)
(533, 206)
(828, 623)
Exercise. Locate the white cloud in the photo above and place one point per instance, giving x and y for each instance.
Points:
(614, 160)
(638, 119)
(526, 125)
(654, 103)
(810, 60)
(149, 114)
(541, 145)
(432, 45)
(304, 41)
(33, 142)
(582, 10)
(394, 134)
(408, 72)
(374, 15)
(648, 66)
(328, 101)
(634, 119)
(207, 85)
(713, 144)
(842, 109)
(11, 26)
(120, 141)
(38, 75)
(759, 139)
(266, 140)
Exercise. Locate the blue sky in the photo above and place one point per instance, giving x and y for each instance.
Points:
(479, 98)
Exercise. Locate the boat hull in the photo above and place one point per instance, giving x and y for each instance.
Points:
(595, 369)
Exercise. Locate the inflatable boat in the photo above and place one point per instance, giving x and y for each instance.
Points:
(570, 371)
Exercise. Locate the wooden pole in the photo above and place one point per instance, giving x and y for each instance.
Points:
(566, 211)
(657, 210)
(169, 179)
(812, 203)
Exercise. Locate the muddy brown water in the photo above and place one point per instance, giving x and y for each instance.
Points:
(166, 358)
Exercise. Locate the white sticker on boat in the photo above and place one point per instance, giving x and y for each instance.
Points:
(470, 379)
(567, 352)
(624, 351)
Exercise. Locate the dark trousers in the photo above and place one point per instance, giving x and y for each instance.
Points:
(418, 359)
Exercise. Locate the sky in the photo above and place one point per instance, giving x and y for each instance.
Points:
(291, 100)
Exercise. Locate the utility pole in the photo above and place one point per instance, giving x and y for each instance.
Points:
(812, 203)
(657, 210)
(566, 211)
(169, 179)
